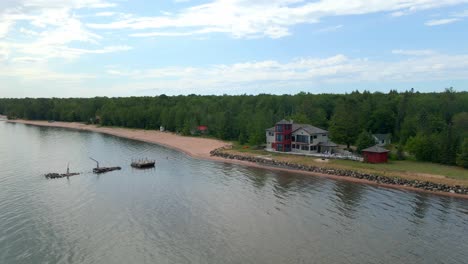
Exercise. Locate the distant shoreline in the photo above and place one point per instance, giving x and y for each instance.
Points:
(201, 148)
(196, 147)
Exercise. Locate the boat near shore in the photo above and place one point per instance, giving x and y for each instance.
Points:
(143, 164)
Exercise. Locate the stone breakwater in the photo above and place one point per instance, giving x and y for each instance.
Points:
(424, 185)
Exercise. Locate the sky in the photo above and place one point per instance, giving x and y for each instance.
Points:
(87, 48)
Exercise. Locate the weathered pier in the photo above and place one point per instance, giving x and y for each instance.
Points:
(58, 175)
(61, 175)
(99, 170)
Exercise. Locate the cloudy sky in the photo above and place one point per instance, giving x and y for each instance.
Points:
(82, 48)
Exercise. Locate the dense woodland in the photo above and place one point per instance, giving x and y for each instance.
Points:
(430, 126)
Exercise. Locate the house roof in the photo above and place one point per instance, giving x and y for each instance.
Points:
(328, 144)
(284, 122)
(308, 128)
(375, 149)
(381, 137)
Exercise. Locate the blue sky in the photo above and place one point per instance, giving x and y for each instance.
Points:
(84, 48)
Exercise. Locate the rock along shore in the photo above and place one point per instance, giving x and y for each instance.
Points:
(423, 185)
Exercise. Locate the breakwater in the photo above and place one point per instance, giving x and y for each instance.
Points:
(424, 185)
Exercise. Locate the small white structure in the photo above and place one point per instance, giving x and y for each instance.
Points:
(382, 139)
(162, 129)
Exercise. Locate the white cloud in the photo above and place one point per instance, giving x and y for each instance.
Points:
(425, 52)
(305, 72)
(49, 29)
(330, 29)
(105, 14)
(439, 22)
(243, 18)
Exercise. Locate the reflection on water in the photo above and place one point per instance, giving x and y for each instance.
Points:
(193, 211)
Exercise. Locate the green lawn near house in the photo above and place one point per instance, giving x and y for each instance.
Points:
(405, 169)
(410, 166)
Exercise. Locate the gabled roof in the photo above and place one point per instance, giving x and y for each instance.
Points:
(284, 122)
(308, 128)
(271, 129)
(381, 137)
(328, 144)
(375, 149)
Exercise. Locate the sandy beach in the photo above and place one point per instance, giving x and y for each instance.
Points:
(195, 147)
(200, 148)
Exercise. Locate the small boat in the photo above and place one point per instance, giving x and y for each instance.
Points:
(143, 164)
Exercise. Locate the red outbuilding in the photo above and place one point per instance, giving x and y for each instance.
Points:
(375, 154)
(202, 129)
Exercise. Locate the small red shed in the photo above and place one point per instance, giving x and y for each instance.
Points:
(202, 129)
(375, 154)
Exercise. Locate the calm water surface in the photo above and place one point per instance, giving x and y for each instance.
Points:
(193, 211)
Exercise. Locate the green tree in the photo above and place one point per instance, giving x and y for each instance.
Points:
(462, 158)
(364, 140)
(423, 147)
(344, 126)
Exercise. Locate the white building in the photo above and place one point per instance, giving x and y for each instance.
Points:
(304, 138)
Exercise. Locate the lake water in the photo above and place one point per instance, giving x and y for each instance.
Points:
(193, 211)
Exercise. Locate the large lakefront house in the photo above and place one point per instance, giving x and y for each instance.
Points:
(287, 136)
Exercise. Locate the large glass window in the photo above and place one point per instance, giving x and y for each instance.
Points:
(279, 137)
(279, 147)
(279, 128)
(301, 138)
(305, 147)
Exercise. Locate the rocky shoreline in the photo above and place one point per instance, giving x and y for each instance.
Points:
(423, 185)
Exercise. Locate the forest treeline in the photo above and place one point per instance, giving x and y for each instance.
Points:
(431, 126)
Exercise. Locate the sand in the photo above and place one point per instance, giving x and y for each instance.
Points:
(200, 148)
(196, 147)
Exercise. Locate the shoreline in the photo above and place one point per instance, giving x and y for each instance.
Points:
(203, 148)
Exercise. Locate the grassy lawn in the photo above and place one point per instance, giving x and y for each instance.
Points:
(404, 169)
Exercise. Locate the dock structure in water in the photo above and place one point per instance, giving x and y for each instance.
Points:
(143, 164)
(105, 169)
(99, 170)
(61, 175)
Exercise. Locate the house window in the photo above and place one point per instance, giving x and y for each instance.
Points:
(324, 135)
(298, 146)
(271, 134)
(315, 136)
(279, 128)
(279, 147)
(301, 138)
(279, 137)
(293, 138)
(313, 148)
(305, 147)
(287, 137)
(293, 146)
